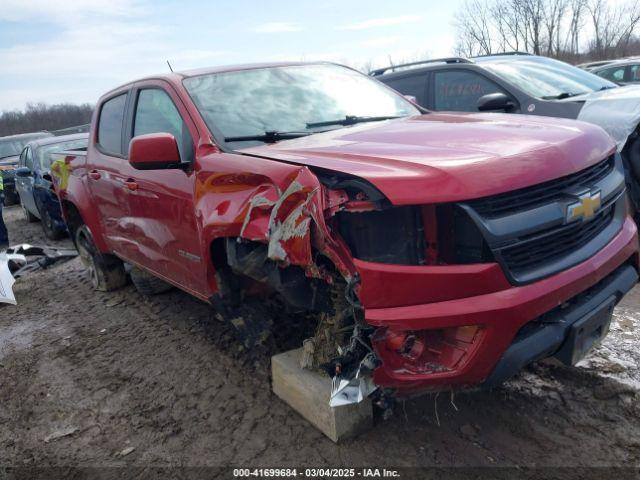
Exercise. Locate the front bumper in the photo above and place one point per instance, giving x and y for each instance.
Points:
(391, 296)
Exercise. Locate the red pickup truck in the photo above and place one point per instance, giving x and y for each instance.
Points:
(425, 250)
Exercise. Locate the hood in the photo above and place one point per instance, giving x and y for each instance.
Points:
(443, 157)
(616, 110)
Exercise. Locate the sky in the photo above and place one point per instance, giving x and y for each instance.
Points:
(75, 50)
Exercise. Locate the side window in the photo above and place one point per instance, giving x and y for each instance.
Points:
(411, 85)
(28, 158)
(460, 90)
(634, 73)
(156, 113)
(23, 156)
(613, 74)
(110, 124)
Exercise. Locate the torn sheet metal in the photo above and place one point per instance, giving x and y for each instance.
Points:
(345, 391)
(616, 110)
(291, 222)
(348, 392)
(6, 281)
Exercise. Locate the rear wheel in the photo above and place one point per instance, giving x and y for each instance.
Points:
(49, 227)
(28, 216)
(106, 272)
(148, 284)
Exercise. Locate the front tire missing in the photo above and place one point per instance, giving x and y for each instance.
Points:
(106, 272)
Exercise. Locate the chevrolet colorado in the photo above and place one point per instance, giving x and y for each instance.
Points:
(422, 250)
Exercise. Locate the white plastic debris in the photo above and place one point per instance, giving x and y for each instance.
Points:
(616, 110)
(6, 281)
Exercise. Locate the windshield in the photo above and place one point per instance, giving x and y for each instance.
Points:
(290, 99)
(547, 78)
(12, 146)
(43, 154)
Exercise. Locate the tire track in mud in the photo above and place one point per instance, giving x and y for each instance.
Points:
(162, 376)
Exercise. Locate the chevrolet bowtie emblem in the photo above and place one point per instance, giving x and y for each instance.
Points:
(585, 208)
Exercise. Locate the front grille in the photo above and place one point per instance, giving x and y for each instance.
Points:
(555, 243)
(530, 197)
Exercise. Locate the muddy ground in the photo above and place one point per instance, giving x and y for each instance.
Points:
(97, 379)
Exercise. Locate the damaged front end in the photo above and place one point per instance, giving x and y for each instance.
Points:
(304, 242)
(293, 243)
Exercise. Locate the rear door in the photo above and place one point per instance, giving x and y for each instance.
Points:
(161, 205)
(105, 163)
(24, 185)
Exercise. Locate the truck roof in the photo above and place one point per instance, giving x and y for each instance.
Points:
(177, 77)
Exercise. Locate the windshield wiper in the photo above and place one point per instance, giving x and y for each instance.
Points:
(560, 96)
(268, 137)
(350, 120)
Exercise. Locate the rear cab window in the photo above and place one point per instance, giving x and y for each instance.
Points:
(110, 125)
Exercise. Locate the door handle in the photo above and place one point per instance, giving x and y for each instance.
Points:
(131, 184)
(94, 174)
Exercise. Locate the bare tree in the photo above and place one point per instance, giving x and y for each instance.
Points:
(44, 117)
(473, 24)
(550, 27)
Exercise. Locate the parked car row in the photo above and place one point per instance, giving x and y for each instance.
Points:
(528, 85)
(33, 181)
(10, 148)
(428, 249)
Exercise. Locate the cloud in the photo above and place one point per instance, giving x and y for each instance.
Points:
(68, 11)
(380, 41)
(277, 27)
(381, 22)
(79, 61)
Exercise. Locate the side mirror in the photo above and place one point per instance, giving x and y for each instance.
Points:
(23, 172)
(154, 151)
(495, 102)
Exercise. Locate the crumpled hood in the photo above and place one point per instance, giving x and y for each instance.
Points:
(616, 110)
(442, 157)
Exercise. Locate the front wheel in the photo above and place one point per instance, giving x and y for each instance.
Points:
(106, 272)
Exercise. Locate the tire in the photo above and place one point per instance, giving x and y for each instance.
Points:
(49, 229)
(28, 216)
(106, 272)
(10, 198)
(148, 284)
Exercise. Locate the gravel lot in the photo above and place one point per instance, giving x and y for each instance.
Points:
(95, 379)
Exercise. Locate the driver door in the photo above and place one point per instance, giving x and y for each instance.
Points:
(160, 201)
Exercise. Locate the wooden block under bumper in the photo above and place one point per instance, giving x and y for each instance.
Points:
(308, 393)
